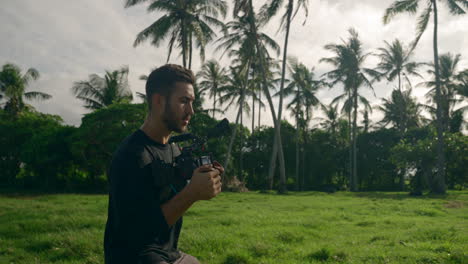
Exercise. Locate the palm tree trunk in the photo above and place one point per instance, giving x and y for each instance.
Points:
(231, 142)
(354, 186)
(276, 122)
(350, 152)
(297, 153)
(274, 154)
(304, 164)
(438, 185)
(214, 100)
(253, 101)
(234, 132)
(259, 105)
(253, 112)
(401, 128)
(190, 51)
(184, 44)
(241, 156)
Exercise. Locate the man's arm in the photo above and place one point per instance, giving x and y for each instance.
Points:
(205, 184)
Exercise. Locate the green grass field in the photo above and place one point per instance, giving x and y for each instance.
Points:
(238, 228)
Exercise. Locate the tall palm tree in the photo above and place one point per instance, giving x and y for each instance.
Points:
(98, 92)
(395, 63)
(456, 7)
(269, 10)
(349, 70)
(184, 22)
(13, 86)
(303, 87)
(244, 8)
(450, 81)
(212, 77)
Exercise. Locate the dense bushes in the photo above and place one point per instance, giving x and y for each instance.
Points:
(39, 152)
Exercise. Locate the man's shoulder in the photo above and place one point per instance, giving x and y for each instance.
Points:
(133, 149)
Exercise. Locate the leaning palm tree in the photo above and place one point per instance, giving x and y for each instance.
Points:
(98, 92)
(269, 10)
(182, 21)
(212, 77)
(13, 86)
(349, 70)
(244, 8)
(395, 63)
(456, 7)
(450, 81)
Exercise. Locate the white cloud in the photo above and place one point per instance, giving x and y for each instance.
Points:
(68, 40)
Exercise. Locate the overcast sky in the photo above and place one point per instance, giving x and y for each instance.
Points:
(66, 41)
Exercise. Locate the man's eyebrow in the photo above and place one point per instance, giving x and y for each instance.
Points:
(188, 97)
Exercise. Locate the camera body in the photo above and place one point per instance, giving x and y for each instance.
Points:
(186, 164)
(191, 157)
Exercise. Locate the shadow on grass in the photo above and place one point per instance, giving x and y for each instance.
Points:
(402, 195)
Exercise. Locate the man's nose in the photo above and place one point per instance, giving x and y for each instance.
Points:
(190, 109)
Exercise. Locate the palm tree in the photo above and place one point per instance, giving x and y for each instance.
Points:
(240, 36)
(450, 83)
(212, 77)
(411, 6)
(234, 92)
(303, 87)
(269, 10)
(183, 21)
(332, 117)
(395, 63)
(348, 62)
(244, 8)
(401, 110)
(462, 87)
(98, 92)
(13, 86)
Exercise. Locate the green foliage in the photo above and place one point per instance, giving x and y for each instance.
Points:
(99, 135)
(375, 170)
(325, 161)
(18, 137)
(416, 152)
(258, 150)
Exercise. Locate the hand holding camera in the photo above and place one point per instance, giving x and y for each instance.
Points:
(205, 183)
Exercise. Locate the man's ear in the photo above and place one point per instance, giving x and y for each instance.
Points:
(158, 100)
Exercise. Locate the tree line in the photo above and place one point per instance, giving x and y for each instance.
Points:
(405, 150)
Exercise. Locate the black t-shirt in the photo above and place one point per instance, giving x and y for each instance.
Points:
(139, 178)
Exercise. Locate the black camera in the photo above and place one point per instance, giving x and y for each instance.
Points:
(194, 156)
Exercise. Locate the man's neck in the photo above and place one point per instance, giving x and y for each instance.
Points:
(156, 130)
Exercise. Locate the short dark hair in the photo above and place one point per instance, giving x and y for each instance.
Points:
(162, 80)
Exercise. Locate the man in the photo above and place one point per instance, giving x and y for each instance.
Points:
(145, 210)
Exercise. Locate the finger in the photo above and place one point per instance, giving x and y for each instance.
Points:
(217, 180)
(214, 173)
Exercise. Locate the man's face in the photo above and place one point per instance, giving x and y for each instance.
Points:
(178, 108)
